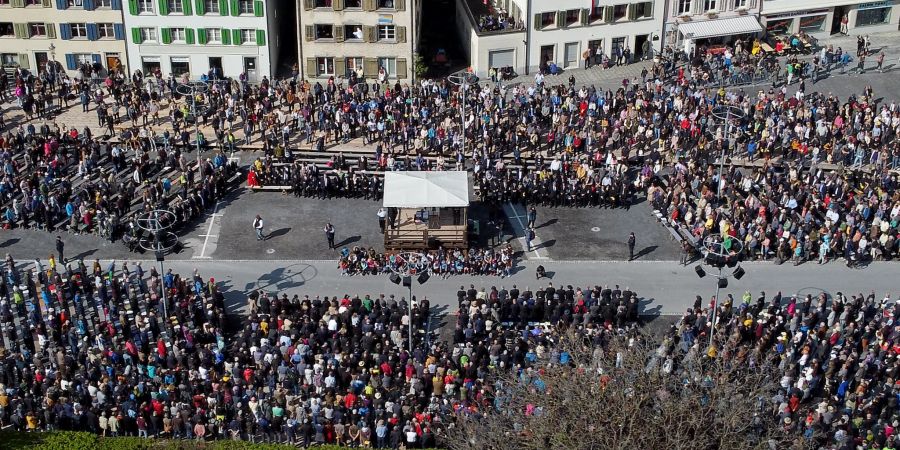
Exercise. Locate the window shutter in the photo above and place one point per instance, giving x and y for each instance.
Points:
(401, 68)
(71, 62)
(236, 37)
(51, 30)
(186, 6)
(537, 22)
(119, 31)
(189, 36)
(259, 9)
(20, 30)
(632, 11)
(166, 35)
(401, 34)
(340, 67)
(23, 61)
(311, 69)
(400, 5)
(163, 7)
(201, 7)
(308, 4)
(368, 5)
(223, 7)
(560, 19)
(62, 4)
(235, 8)
(17, 3)
(649, 9)
(202, 37)
(96, 58)
(310, 33)
(46, 3)
(261, 37)
(226, 36)
(116, 5)
(136, 35)
(371, 34)
(608, 14)
(133, 7)
(65, 31)
(338, 32)
(337, 5)
(585, 16)
(92, 31)
(88, 5)
(370, 67)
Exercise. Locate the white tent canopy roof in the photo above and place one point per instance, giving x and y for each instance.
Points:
(426, 189)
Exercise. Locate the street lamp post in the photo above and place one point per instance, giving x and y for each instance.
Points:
(159, 241)
(462, 79)
(191, 90)
(409, 265)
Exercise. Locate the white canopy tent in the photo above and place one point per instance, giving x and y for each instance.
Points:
(426, 189)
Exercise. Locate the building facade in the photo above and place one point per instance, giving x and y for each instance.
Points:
(72, 32)
(362, 36)
(710, 23)
(535, 33)
(197, 37)
(824, 17)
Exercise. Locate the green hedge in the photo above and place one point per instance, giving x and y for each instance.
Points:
(75, 440)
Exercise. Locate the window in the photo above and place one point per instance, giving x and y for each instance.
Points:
(354, 64)
(324, 31)
(643, 10)
(4, 3)
(619, 12)
(178, 35)
(180, 65)
(353, 32)
(7, 29)
(74, 3)
(782, 26)
(145, 6)
(246, 6)
(812, 24)
(547, 19)
(325, 66)
(572, 16)
(103, 3)
(33, 3)
(874, 16)
(175, 7)
(79, 30)
(148, 35)
(37, 30)
(84, 58)
(387, 32)
(211, 6)
(248, 36)
(710, 5)
(214, 35)
(323, 3)
(106, 31)
(684, 7)
(390, 66)
(385, 3)
(352, 3)
(740, 4)
(596, 13)
(9, 59)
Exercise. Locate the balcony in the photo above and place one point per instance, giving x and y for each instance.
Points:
(490, 19)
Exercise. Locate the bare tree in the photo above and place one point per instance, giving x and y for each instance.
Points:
(627, 394)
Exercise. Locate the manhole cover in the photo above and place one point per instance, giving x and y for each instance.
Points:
(270, 251)
(595, 229)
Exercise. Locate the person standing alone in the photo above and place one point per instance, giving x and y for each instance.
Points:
(258, 226)
(60, 247)
(532, 217)
(631, 242)
(329, 234)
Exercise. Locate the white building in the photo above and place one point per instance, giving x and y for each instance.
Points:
(73, 32)
(537, 31)
(194, 36)
(710, 23)
(823, 17)
(340, 36)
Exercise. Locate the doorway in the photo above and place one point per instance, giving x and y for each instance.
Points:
(215, 67)
(113, 62)
(41, 59)
(547, 52)
(642, 46)
(839, 12)
(250, 67)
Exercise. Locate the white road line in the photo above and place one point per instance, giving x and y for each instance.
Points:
(212, 221)
(534, 242)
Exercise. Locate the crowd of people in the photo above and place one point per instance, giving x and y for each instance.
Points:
(443, 262)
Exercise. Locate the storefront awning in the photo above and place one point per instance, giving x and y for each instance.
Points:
(720, 27)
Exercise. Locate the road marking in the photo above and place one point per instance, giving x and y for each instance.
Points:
(212, 221)
(535, 243)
